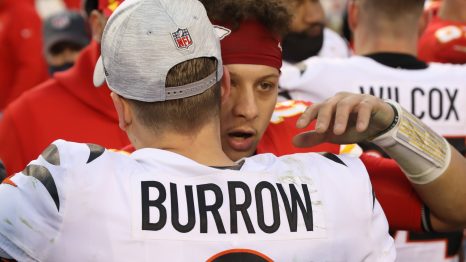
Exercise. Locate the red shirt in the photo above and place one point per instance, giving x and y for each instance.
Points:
(67, 106)
(22, 64)
(443, 41)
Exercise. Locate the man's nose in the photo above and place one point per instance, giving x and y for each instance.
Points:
(246, 104)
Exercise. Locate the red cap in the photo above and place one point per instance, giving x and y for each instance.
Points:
(250, 43)
(108, 6)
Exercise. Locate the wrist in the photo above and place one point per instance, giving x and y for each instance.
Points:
(422, 154)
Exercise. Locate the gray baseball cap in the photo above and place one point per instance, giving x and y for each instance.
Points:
(144, 39)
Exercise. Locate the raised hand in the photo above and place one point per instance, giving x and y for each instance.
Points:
(344, 119)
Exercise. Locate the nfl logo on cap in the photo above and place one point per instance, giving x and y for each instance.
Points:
(182, 38)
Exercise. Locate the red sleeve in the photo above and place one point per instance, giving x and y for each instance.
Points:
(278, 136)
(26, 38)
(10, 145)
(397, 197)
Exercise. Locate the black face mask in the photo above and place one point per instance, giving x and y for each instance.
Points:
(54, 69)
(300, 46)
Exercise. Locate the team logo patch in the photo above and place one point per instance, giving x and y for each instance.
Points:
(182, 38)
(60, 22)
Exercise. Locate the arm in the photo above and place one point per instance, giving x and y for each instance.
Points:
(351, 118)
(30, 209)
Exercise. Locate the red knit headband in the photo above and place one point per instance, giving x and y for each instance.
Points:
(250, 43)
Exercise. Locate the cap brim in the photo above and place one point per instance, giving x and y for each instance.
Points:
(99, 73)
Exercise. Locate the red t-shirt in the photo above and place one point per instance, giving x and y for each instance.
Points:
(443, 41)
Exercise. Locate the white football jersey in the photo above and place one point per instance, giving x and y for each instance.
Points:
(436, 95)
(80, 202)
(334, 45)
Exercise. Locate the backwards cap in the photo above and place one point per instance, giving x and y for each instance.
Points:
(144, 39)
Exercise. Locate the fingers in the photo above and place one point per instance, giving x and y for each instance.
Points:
(340, 108)
(308, 139)
(323, 112)
(309, 114)
(365, 110)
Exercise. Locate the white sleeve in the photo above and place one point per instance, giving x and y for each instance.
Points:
(31, 206)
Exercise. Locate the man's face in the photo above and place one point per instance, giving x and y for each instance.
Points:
(246, 113)
(308, 16)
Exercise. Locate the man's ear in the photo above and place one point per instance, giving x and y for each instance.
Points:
(225, 84)
(353, 14)
(97, 21)
(123, 111)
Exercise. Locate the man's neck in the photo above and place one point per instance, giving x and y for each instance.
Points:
(203, 147)
(368, 43)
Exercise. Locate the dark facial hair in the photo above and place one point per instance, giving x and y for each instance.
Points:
(300, 46)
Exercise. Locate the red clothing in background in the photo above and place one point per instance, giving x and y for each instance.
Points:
(67, 106)
(73, 4)
(22, 64)
(443, 41)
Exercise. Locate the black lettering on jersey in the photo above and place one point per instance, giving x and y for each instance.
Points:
(51, 155)
(451, 108)
(210, 198)
(292, 211)
(42, 174)
(435, 93)
(175, 210)
(260, 207)
(242, 208)
(334, 158)
(384, 92)
(157, 203)
(414, 94)
(204, 208)
(425, 101)
(95, 152)
(435, 99)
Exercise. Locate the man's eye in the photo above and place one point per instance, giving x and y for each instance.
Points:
(265, 86)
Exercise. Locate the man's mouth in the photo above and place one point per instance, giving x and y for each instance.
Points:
(241, 140)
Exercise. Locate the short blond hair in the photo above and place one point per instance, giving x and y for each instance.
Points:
(186, 115)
